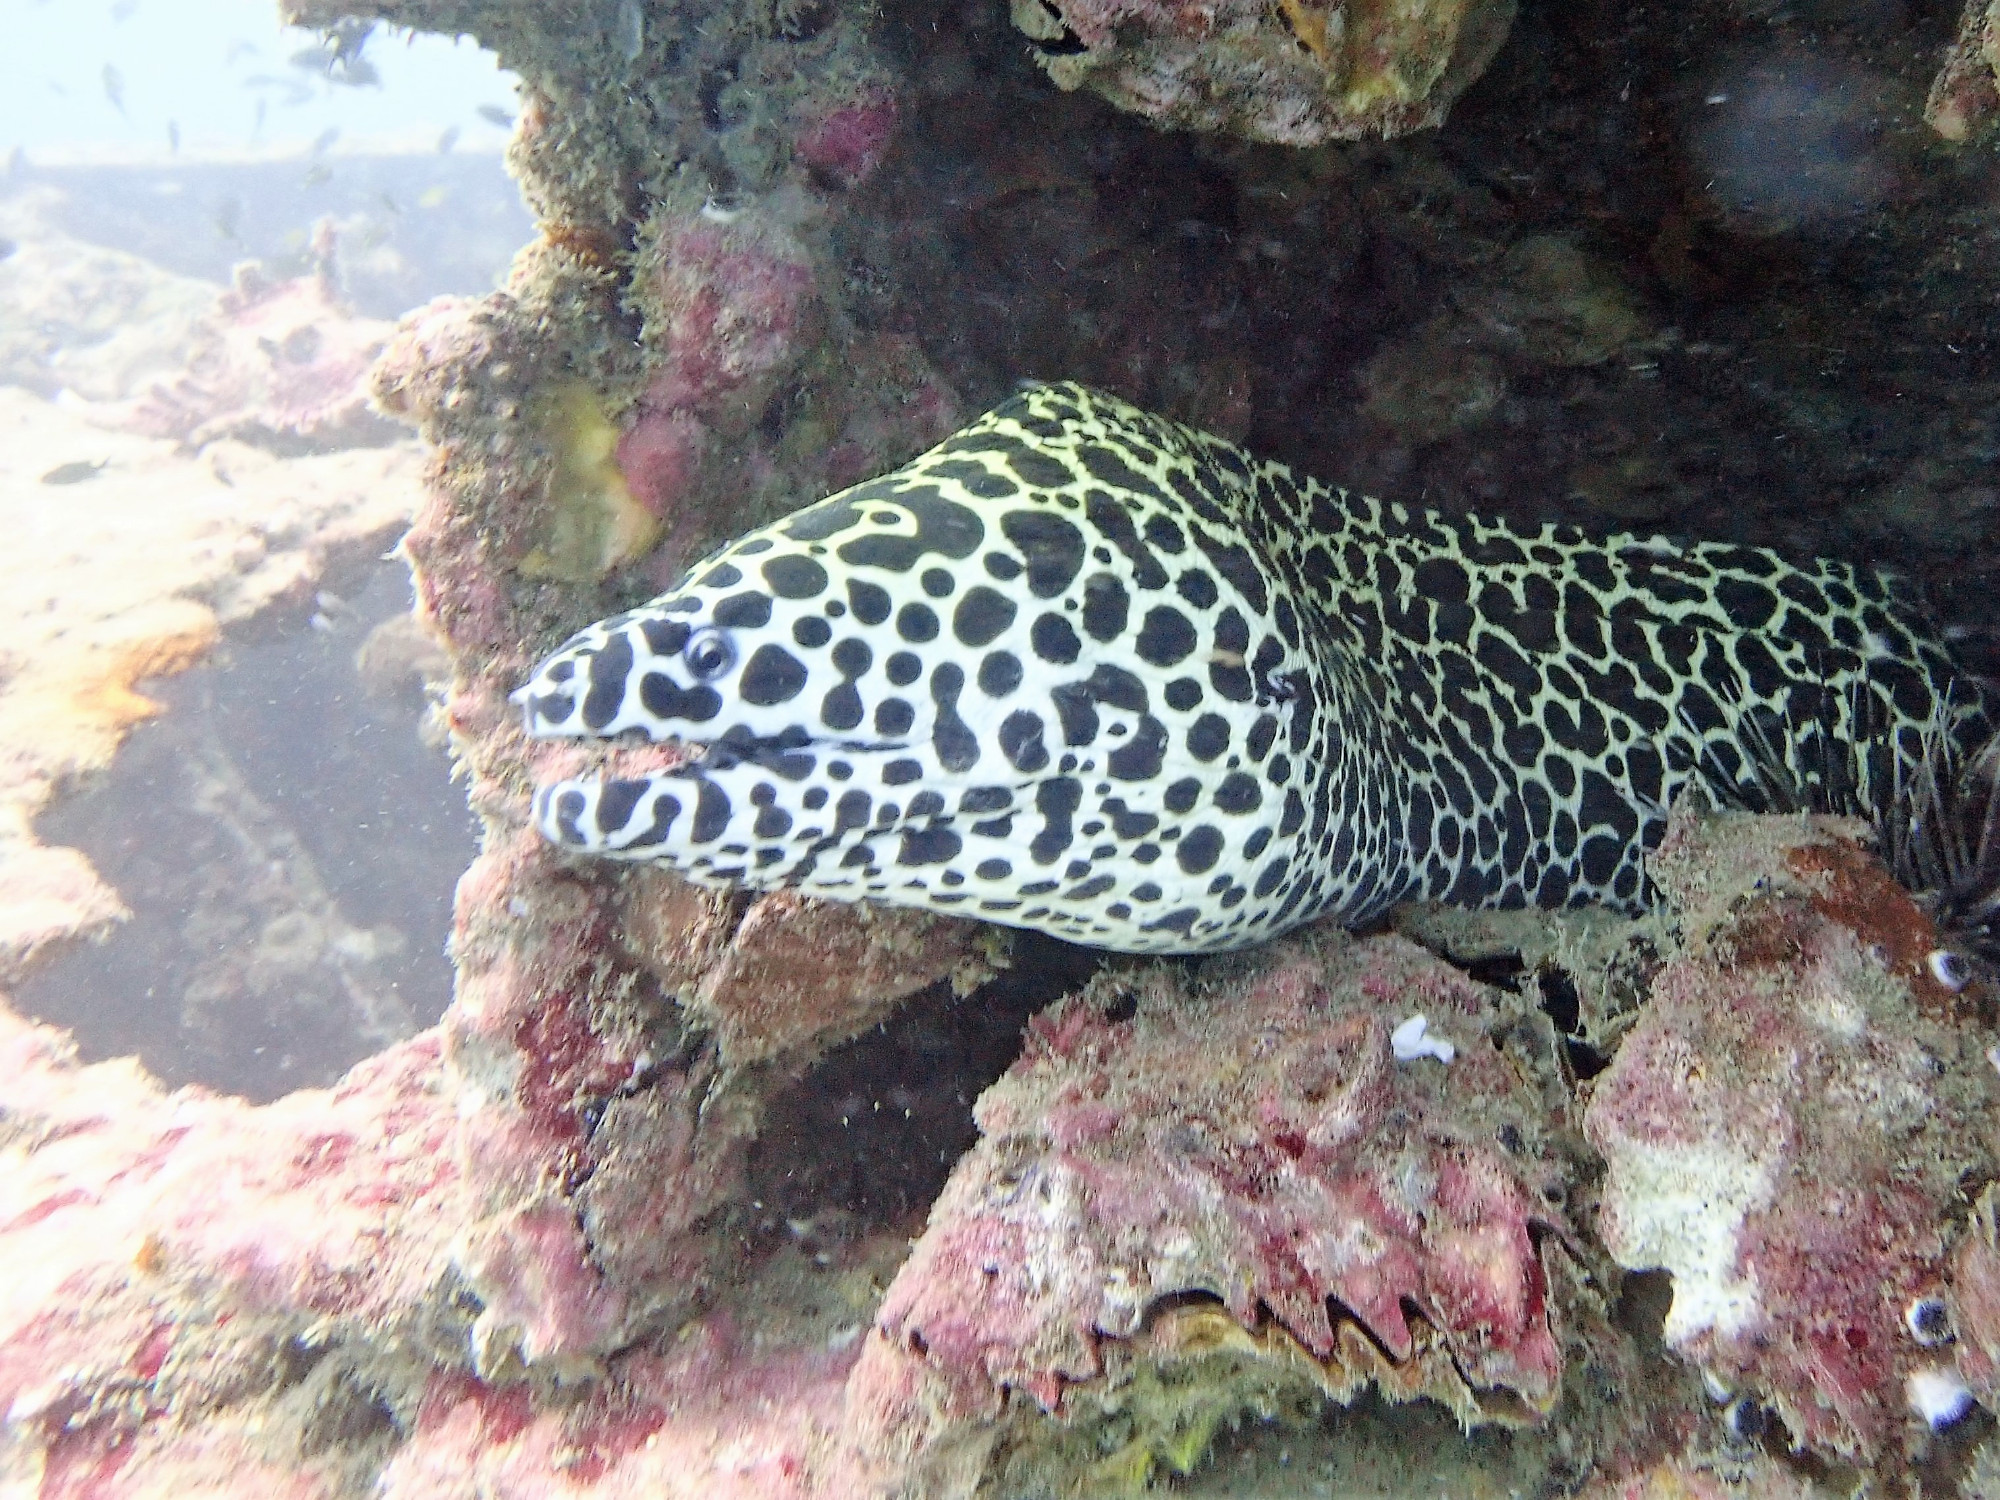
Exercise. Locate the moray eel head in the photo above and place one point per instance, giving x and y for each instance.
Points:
(1084, 670)
(988, 683)
(774, 677)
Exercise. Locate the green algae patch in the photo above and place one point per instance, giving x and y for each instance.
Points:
(592, 524)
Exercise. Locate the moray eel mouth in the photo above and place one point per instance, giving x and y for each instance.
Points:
(699, 687)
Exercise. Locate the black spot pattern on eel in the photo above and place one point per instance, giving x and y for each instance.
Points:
(1122, 681)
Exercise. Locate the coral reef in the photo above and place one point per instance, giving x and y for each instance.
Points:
(274, 937)
(98, 323)
(783, 246)
(1240, 1172)
(160, 498)
(279, 364)
(170, 549)
(1296, 74)
(1787, 1126)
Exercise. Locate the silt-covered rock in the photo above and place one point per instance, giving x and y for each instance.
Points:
(1195, 1199)
(1297, 73)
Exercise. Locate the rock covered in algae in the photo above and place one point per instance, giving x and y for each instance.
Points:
(670, 364)
(1296, 73)
(278, 363)
(598, 1018)
(1188, 1198)
(200, 1296)
(1965, 95)
(1787, 1126)
(189, 1282)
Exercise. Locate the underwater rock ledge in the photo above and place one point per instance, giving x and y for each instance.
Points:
(1199, 1198)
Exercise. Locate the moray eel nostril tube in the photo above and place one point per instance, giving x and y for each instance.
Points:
(1082, 669)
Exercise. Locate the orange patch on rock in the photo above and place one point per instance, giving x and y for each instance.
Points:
(1856, 891)
(112, 699)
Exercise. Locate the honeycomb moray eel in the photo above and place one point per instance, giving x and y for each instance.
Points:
(1083, 669)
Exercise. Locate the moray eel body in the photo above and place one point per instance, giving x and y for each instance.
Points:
(1082, 669)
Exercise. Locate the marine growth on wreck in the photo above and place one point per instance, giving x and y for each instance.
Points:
(1232, 749)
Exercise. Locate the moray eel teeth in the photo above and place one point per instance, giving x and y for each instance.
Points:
(1082, 669)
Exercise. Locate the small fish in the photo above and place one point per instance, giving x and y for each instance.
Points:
(337, 54)
(318, 59)
(447, 140)
(114, 88)
(630, 29)
(228, 219)
(74, 473)
(174, 137)
(347, 37)
(496, 115)
(317, 173)
(323, 142)
(389, 204)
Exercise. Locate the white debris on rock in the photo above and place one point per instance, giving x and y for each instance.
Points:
(1412, 1040)
(1938, 1396)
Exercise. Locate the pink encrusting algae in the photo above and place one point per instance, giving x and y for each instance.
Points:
(1788, 1127)
(1251, 1143)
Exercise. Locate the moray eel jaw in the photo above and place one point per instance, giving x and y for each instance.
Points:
(700, 672)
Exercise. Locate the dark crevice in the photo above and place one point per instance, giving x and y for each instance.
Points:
(1122, 1009)
(872, 1130)
(1560, 1002)
(710, 97)
(1159, 1307)
(1585, 1061)
(1066, 45)
(1501, 970)
(1644, 1300)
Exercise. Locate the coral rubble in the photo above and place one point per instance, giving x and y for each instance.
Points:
(1787, 1127)
(1296, 73)
(280, 364)
(1191, 1198)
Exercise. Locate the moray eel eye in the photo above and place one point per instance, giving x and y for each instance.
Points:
(708, 654)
